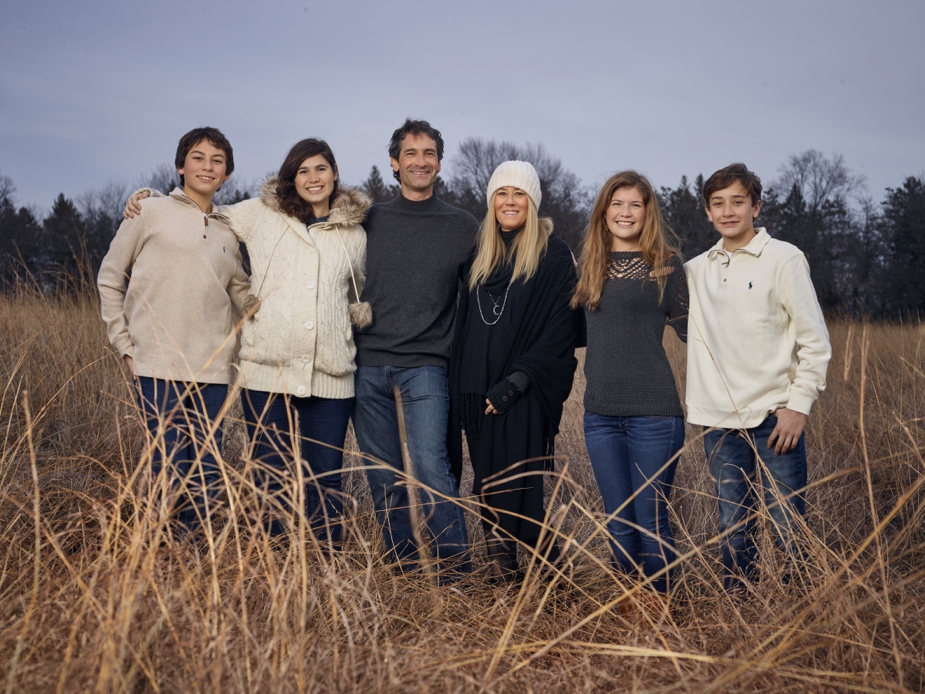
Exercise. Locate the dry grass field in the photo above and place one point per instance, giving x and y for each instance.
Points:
(92, 600)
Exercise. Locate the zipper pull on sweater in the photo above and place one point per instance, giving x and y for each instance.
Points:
(205, 220)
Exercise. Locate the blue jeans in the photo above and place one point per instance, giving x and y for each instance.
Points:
(425, 403)
(734, 467)
(271, 418)
(629, 456)
(178, 416)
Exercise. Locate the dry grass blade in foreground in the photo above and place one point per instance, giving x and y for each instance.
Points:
(91, 601)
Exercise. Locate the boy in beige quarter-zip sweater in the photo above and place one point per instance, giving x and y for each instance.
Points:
(757, 353)
(171, 290)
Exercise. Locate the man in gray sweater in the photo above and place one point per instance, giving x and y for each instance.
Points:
(417, 248)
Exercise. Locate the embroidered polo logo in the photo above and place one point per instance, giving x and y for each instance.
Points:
(749, 285)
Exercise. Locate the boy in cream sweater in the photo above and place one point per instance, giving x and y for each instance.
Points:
(170, 288)
(757, 353)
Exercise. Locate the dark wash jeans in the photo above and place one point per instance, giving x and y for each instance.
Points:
(629, 456)
(425, 403)
(178, 416)
(731, 454)
(269, 417)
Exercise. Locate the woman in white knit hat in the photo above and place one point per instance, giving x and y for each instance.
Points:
(307, 252)
(512, 365)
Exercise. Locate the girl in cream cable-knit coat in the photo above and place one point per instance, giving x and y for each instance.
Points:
(308, 257)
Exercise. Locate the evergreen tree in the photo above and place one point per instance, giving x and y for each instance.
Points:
(376, 188)
(904, 229)
(63, 246)
(683, 210)
(19, 234)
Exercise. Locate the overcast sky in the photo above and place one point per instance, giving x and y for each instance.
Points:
(99, 90)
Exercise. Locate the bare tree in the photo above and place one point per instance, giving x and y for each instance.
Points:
(109, 200)
(7, 188)
(817, 204)
(820, 179)
(235, 190)
(163, 177)
(101, 213)
(565, 200)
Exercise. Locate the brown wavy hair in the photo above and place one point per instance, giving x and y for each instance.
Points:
(289, 200)
(728, 175)
(656, 242)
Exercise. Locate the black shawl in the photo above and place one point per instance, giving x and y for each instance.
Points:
(538, 339)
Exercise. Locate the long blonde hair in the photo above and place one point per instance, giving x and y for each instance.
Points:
(527, 249)
(654, 241)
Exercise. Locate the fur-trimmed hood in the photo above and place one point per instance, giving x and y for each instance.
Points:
(349, 206)
(349, 210)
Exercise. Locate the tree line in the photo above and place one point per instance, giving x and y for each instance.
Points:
(867, 258)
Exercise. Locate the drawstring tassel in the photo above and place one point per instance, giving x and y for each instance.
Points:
(361, 314)
(251, 305)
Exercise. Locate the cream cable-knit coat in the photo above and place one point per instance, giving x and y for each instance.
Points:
(300, 340)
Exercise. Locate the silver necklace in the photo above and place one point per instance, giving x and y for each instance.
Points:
(497, 310)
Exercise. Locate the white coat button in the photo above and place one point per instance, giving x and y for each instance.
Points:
(311, 285)
(309, 325)
(300, 391)
(306, 358)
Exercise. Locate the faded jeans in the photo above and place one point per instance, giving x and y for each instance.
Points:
(425, 403)
(734, 467)
(629, 456)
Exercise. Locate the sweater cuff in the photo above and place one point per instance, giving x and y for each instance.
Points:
(521, 380)
(800, 402)
(502, 396)
(125, 348)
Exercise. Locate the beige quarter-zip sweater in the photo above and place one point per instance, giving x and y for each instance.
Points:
(757, 339)
(170, 286)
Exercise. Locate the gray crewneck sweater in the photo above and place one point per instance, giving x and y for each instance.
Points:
(416, 254)
(626, 366)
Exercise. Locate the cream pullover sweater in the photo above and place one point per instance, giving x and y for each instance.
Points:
(176, 317)
(757, 339)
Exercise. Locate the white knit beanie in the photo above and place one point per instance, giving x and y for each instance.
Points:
(519, 174)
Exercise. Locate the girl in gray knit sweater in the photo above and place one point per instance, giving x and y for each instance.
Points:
(631, 284)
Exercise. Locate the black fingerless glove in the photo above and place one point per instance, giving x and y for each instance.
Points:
(503, 396)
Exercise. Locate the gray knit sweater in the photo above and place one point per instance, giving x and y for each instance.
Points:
(626, 366)
(416, 256)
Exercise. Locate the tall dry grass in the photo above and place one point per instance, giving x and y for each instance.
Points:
(92, 600)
